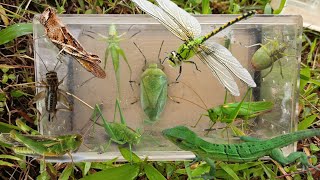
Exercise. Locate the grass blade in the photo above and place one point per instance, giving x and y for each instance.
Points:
(14, 31)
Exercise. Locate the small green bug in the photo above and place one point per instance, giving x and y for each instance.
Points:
(267, 55)
(153, 90)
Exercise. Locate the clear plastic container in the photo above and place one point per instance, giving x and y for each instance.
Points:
(243, 38)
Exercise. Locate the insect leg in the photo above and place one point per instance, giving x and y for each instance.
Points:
(269, 71)
(62, 97)
(191, 62)
(40, 96)
(281, 73)
(180, 71)
(198, 121)
(172, 99)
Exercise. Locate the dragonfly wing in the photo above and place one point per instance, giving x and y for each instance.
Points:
(224, 57)
(162, 17)
(186, 22)
(221, 72)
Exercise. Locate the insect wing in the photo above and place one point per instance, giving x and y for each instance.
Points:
(94, 68)
(221, 54)
(162, 17)
(249, 108)
(221, 72)
(187, 23)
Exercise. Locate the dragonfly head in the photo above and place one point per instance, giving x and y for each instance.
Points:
(174, 60)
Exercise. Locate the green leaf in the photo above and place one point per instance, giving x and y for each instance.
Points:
(152, 173)
(126, 172)
(66, 172)
(87, 166)
(6, 128)
(43, 176)
(4, 163)
(12, 76)
(314, 148)
(305, 123)
(129, 155)
(268, 171)
(5, 69)
(2, 96)
(314, 81)
(14, 31)
(17, 93)
(4, 78)
(305, 75)
(10, 157)
(267, 9)
(281, 6)
(201, 169)
(229, 171)
(206, 7)
(188, 169)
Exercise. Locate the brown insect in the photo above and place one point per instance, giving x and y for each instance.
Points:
(62, 38)
(52, 94)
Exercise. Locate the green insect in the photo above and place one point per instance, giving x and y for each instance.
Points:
(40, 145)
(228, 112)
(244, 110)
(267, 55)
(186, 27)
(153, 89)
(118, 133)
(114, 49)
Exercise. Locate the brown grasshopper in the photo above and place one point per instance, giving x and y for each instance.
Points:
(62, 38)
(52, 94)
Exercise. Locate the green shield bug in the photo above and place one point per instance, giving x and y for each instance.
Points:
(153, 90)
(267, 55)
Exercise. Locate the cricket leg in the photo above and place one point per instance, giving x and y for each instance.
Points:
(62, 97)
(38, 97)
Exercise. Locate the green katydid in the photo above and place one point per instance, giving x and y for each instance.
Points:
(119, 133)
(228, 112)
(114, 49)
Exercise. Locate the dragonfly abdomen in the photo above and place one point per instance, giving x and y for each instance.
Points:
(217, 30)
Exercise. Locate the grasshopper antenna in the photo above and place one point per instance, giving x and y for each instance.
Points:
(196, 94)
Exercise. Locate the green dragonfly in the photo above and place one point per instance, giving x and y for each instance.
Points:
(219, 59)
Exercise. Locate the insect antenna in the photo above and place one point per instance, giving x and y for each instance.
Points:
(160, 52)
(41, 60)
(195, 93)
(145, 59)
(189, 101)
